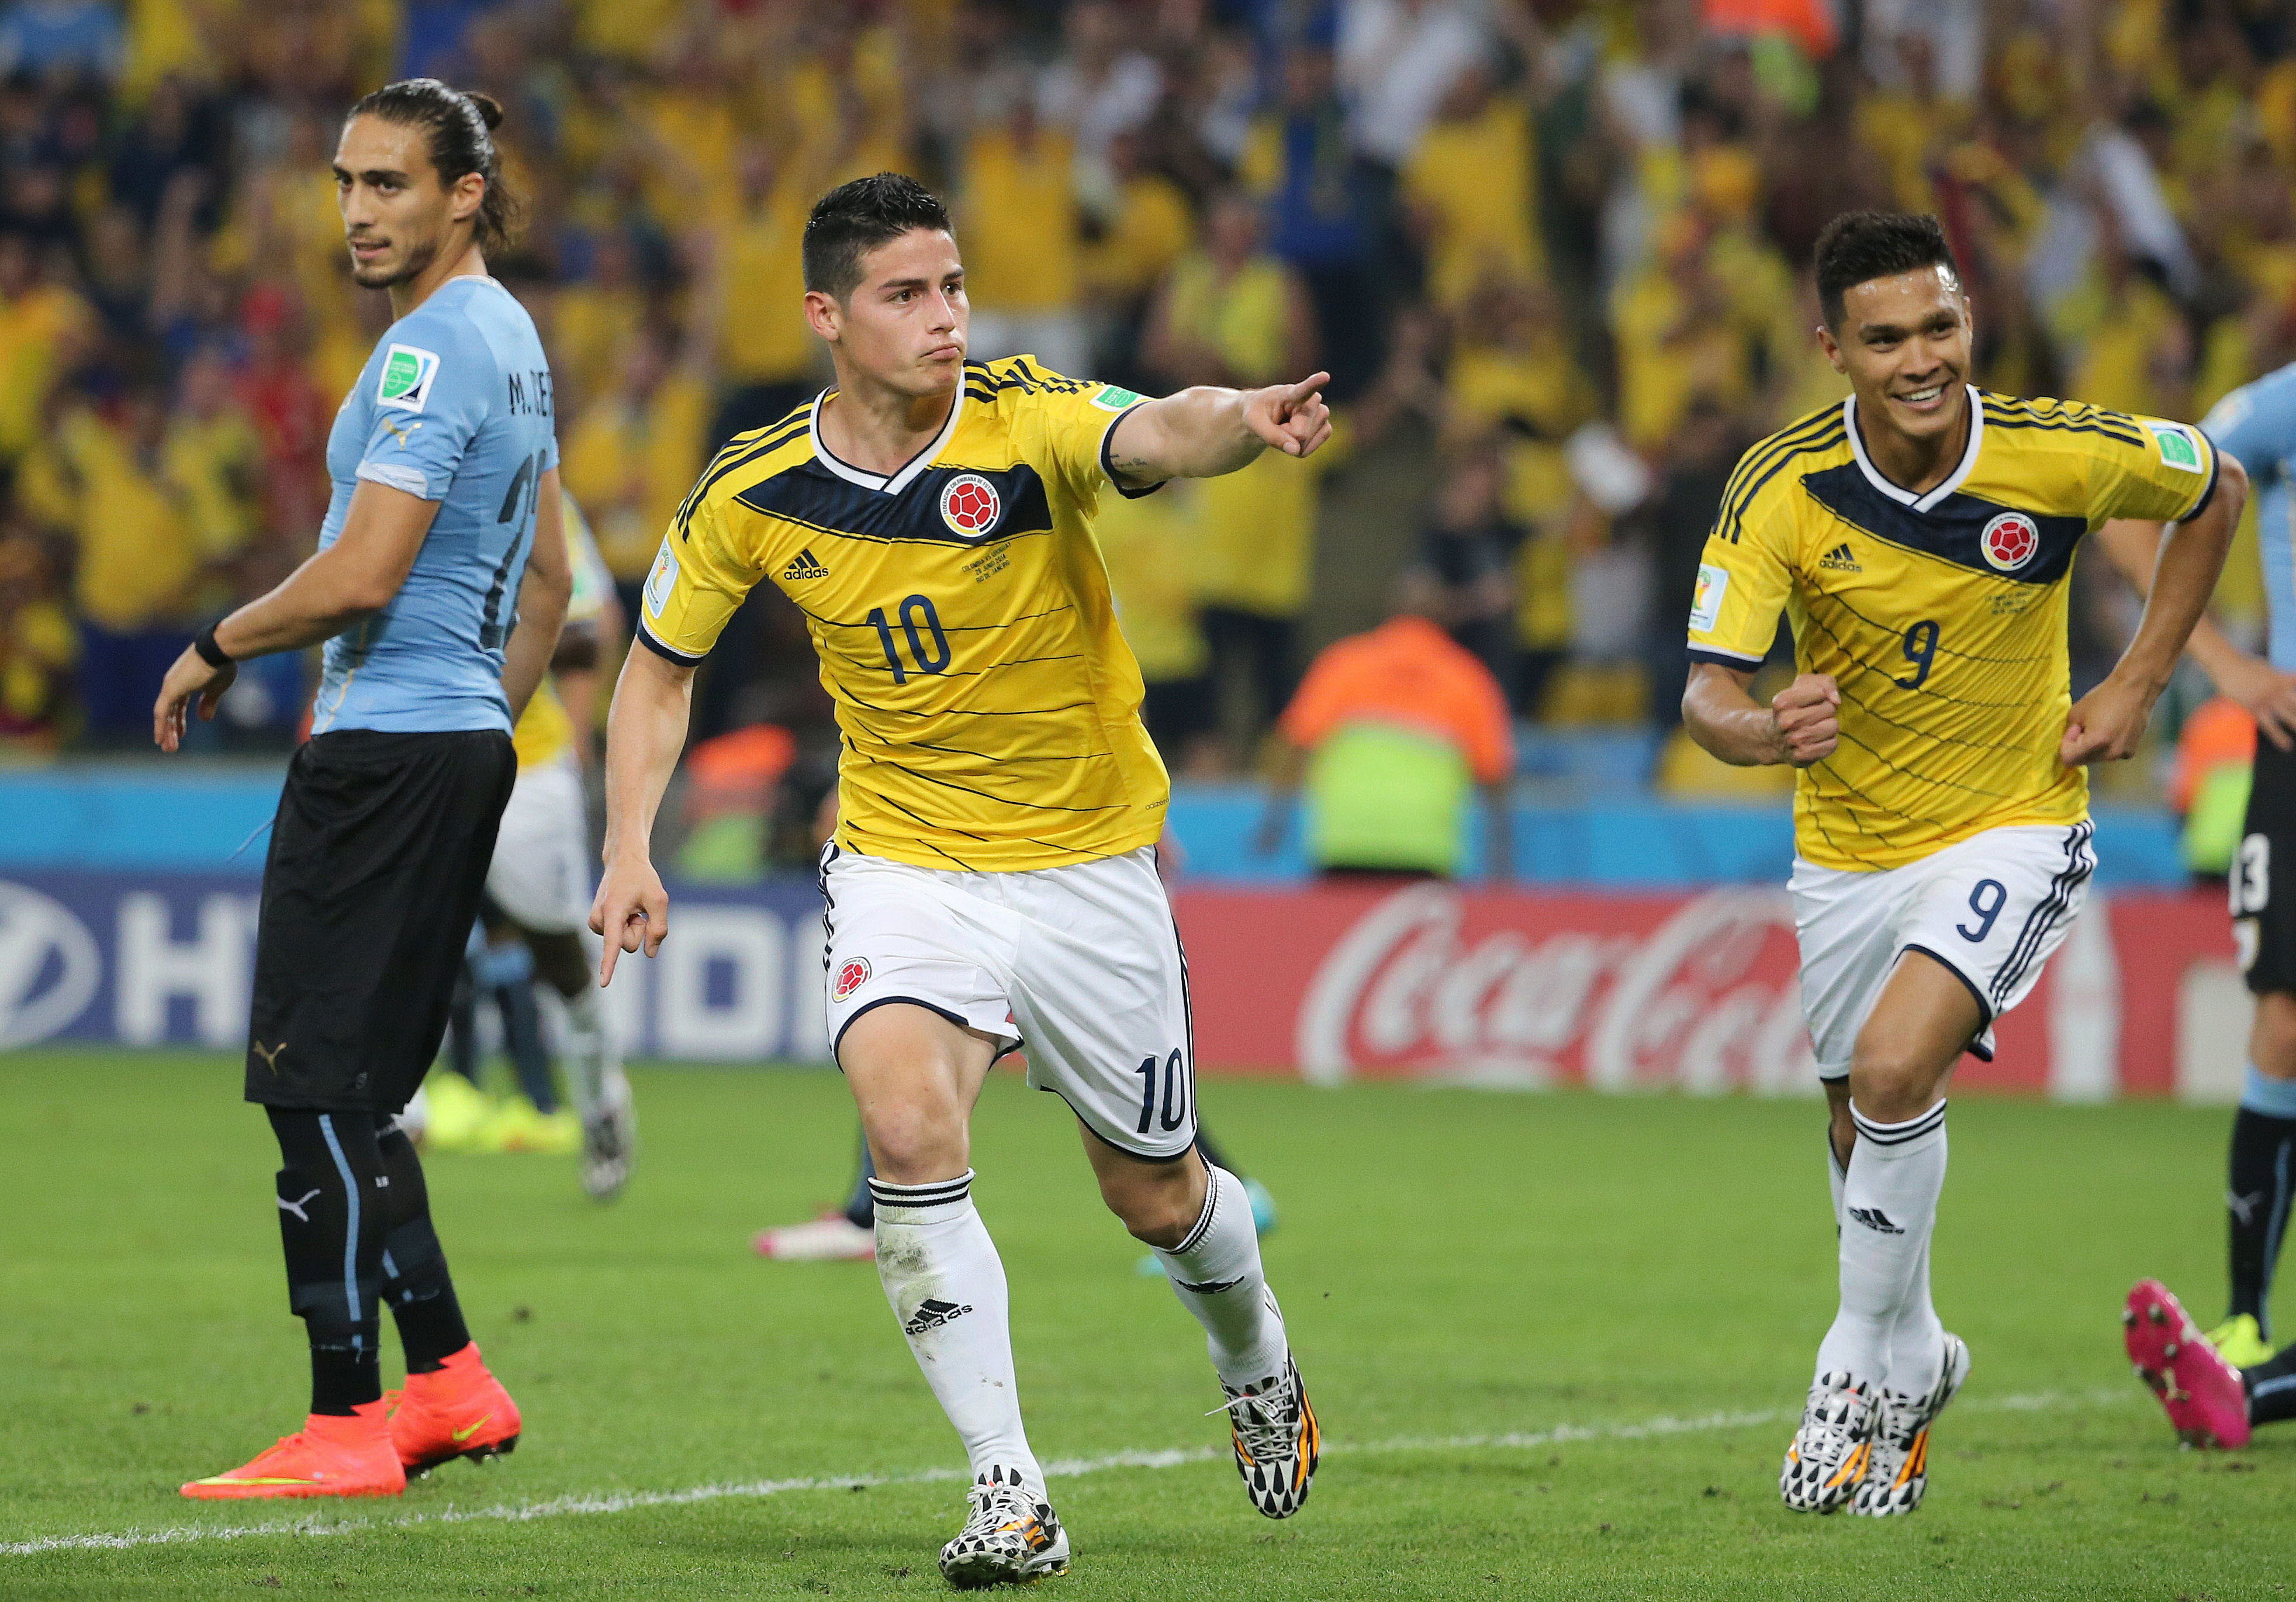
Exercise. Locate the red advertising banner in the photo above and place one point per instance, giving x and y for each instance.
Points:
(1696, 991)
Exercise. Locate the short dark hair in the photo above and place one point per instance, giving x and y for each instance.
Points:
(459, 129)
(855, 218)
(1858, 247)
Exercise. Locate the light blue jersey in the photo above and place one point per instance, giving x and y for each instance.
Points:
(2256, 424)
(454, 406)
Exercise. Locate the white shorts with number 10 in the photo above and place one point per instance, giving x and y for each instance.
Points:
(1079, 966)
(1991, 908)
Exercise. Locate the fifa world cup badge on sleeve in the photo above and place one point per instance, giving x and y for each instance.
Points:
(2174, 439)
(1114, 397)
(662, 580)
(1706, 605)
(408, 374)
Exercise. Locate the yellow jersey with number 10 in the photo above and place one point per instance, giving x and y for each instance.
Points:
(961, 609)
(1941, 615)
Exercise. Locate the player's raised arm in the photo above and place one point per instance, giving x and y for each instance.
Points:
(645, 734)
(2109, 721)
(1205, 432)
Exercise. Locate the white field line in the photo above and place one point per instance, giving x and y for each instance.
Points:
(625, 1501)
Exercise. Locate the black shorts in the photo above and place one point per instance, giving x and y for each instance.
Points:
(2264, 919)
(379, 856)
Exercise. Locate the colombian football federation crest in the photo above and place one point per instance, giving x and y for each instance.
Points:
(851, 975)
(2010, 541)
(970, 504)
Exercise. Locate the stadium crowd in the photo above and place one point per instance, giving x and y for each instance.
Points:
(1553, 254)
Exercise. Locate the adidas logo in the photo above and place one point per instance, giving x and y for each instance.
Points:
(932, 1313)
(1873, 1218)
(1838, 560)
(805, 567)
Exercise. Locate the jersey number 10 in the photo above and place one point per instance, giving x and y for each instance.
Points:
(915, 610)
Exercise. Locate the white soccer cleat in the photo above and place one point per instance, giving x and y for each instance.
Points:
(1828, 1459)
(1277, 1442)
(832, 1238)
(1013, 1536)
(1898, 1471)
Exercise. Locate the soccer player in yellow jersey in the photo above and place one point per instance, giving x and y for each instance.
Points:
(991, 882)
(1919, 537)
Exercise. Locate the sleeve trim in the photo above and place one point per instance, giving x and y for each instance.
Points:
(2209, 491)
(1723, 659)
(407, 481)
(646, 638)
(1108, 469)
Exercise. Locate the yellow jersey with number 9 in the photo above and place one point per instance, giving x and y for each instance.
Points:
(1941, 615)
(989, 706)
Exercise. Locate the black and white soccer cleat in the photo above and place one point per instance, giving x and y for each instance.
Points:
(1277, 1443)
(1013, 1536)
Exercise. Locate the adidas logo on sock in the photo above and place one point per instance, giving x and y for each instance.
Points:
(1873, 1218)
(1840, 560)
(932, 1313)
(804, 566)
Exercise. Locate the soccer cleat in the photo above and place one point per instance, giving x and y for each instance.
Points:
(2241, 1342)
(1898, 1474)
(1277, 1442)
(331, 1455)
(1830, 1453)
(459, 1410)
(1011, 1535)
(517, 1125)
(2206, 1400)
(609, 1140)
(832, 1238)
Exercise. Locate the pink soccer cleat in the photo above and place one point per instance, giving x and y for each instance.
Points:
(2207, 1403)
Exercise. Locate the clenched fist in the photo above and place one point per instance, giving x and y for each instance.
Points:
(1808, 713)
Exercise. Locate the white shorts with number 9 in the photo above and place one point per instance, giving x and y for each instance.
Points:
(1079, 966)
(1991, 908)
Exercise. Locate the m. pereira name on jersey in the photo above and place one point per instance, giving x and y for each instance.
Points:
(529, 392)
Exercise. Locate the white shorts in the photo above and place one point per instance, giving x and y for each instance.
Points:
(1079, 967)
(1992, 908)
(540, 875)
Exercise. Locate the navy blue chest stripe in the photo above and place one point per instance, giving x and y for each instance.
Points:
(812, 495)
(1951, 530)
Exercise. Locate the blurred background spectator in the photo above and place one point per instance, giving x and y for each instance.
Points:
(1552, 252)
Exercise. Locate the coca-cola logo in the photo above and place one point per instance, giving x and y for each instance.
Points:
(1708, 1001)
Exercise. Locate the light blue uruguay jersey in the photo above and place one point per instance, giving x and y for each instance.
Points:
(454, 406)
(2256, 424)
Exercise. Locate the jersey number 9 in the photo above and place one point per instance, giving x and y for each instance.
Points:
(915, 610)
(1920, 646)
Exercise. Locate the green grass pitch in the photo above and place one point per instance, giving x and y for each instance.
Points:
(1556, 1341)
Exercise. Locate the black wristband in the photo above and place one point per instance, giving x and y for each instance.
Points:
(211, 654)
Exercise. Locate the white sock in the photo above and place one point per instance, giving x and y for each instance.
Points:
(1917, 1339)
(1837, 1177)
(589, 1052)
(946, 1285)
(1889, 1208)
(1216, 1276)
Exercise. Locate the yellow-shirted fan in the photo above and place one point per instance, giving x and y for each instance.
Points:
(961, 609)
(1941, 616)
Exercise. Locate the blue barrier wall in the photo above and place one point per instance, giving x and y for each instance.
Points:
(140, 816)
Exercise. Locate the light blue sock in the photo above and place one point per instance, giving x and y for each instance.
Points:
(2273, 1097)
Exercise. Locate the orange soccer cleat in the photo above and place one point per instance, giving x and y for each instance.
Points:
(331, 1455)
(461, 1411)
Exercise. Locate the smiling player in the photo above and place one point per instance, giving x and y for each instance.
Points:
(1918, 537)
(991, 881)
